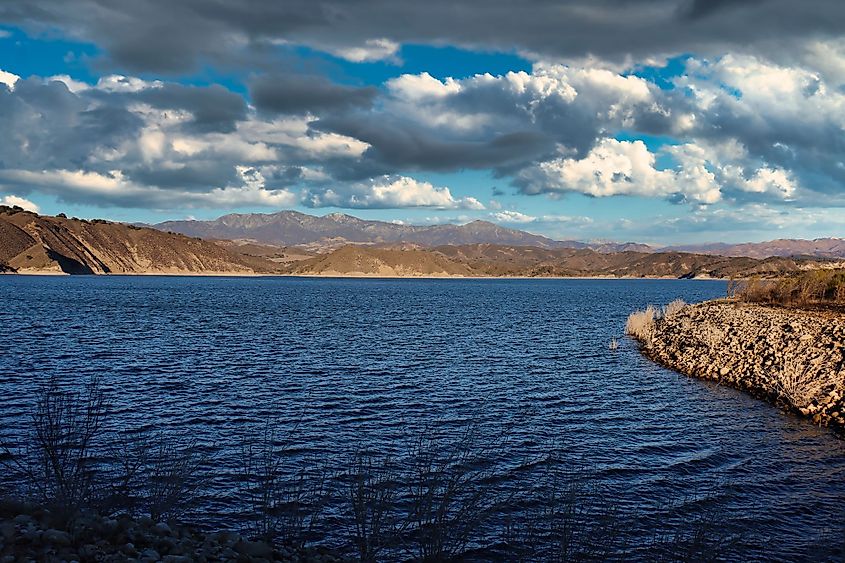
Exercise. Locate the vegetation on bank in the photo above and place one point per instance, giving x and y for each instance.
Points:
(103, 493)
(800, 289)
(641, 324)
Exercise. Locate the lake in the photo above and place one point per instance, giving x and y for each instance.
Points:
(365, 363)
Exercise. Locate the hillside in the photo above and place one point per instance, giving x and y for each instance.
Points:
(512, 261)
(31, 243)
(382, 262)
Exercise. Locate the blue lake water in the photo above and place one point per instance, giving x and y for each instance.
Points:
(368, 362)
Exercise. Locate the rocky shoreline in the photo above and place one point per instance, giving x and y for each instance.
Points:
(30, 533)
(794, 358)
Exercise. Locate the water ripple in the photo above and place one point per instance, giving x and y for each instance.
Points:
(371, 362)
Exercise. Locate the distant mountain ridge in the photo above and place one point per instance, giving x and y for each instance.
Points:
(288, 228)
(830, 247)
(332, 231)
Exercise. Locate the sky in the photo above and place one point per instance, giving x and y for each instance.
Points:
(657, 121)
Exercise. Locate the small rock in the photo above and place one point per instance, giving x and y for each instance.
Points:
(255, 549)
(23, 519)
(150, 553)
(56, 537)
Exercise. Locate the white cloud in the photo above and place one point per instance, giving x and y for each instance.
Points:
(512, 217)
(519, 217)
(621, 168)
(392, 192)
(120, 83)
(8, 79)
(72, 84)
(12, 200)
(114, 188)
(371, 50)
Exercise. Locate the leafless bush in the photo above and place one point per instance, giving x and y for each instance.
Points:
(567, 518)
(70, 460)
(640, 324)
(57, 460)
(286, 502)
(372, 487)
(801, 384)
(711, 335)
(450, 493)
(673, 308)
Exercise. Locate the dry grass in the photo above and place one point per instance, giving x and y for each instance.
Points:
(805, 288)
(674, 308)
(712, 336)
(801, 384)
(640, 324)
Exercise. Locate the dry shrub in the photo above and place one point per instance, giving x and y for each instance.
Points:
(711, 335)
(151, 473)
(372, 488)
(285, 496)
(69, 460)
(674, 308)
(801, 384)
(805, 288)
(640, 324)
(56, 459)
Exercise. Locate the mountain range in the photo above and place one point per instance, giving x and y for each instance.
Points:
(329, 232)
(32, 243)
(289, 228)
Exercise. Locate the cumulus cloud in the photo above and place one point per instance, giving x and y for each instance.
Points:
(12, 200)
(751, 127)
(391, 192)
(510, 216)
(620, 168)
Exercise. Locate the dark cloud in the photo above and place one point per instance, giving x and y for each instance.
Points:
(702, 8)
(213, 108)
(285, 94)
(401, 146)
(48, 126)
(167, 36)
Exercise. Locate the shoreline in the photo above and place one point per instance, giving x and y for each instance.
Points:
(351, 276)
(791, 358)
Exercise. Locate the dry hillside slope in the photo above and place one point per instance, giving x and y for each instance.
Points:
(518, 261)
(387, 262)
(31, 243)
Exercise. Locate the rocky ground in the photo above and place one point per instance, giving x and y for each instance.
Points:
(792, 357)
(34, 534)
